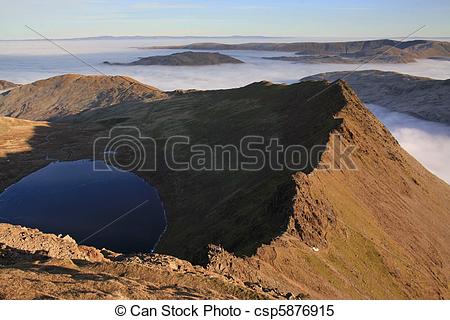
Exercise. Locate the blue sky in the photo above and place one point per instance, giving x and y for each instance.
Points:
(326, 18)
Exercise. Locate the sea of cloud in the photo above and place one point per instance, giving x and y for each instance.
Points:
(27, 61)
(428, 142)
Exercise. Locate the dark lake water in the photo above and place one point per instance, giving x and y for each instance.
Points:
(113, 209)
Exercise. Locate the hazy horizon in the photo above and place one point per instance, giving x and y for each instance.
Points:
(290, 38)
(324, 18)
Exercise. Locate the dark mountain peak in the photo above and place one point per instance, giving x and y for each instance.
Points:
(187, 58)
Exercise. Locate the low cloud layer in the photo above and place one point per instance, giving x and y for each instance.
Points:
(428, 142)
(26, 61)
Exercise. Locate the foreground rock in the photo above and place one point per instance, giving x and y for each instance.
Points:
(375, 230)
(35, 265)
(188, 58)
(385, 50)
(425, 98)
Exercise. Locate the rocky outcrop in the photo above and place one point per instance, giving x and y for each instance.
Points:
(188, 58)
(35, 265)
(35, 242)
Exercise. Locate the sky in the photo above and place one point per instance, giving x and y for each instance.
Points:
(299, 18)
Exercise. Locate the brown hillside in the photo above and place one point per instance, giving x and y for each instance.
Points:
(381, 230)
(61, 96)
(6, 85)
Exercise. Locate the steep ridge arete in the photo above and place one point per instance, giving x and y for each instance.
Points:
(62, 96)
(188, 58)
(422, 97)
(378, 230)
(384, 50)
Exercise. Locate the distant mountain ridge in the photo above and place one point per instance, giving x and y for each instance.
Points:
(384, 50)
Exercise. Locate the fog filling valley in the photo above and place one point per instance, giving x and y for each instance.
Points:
(27, 61)
(428, 142)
